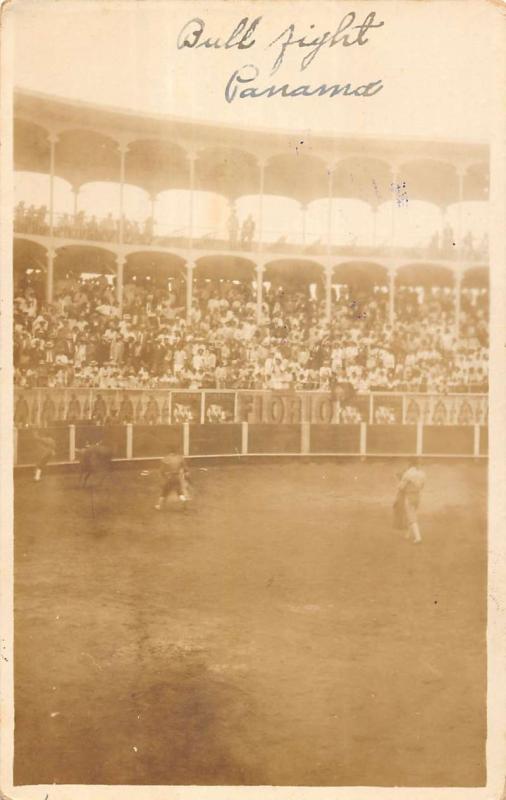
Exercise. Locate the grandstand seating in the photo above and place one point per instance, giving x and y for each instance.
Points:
(143, 310)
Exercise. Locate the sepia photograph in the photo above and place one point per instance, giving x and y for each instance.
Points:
(252, 304)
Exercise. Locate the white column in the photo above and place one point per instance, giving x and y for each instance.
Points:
(459, 235)
(129, 440)
(394, 185)
(244, 438)
(260, 279)
(120, 264)
(50, 274)
(192, 157)
(391, 296)
(123, 150)
(458, 290)
(419, 438)
(190, 266)
(305, 437)
(75, 192)
(261, 189)
(328, 293)
(328, 268)
(303, 208)
(170, 408)
(153, 198)
(363, 438)
(330, 195)
(186, 438)
(53, 139)
(72, 442)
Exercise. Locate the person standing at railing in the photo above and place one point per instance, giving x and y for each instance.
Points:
(40, 219)
(233, 227)
(79, 224)
(247, 232)
(63, 226)
(92, 228)
(19, 216)
(148, 230)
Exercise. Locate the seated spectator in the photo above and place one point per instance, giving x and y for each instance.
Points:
(83, 338)
(215, 413)
(384, 415)
(350, 416)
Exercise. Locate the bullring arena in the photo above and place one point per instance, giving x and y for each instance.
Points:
(277, 630)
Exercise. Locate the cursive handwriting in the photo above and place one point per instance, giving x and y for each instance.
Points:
(287, 38)
(190, 35)
(249, 73)
(349, 32)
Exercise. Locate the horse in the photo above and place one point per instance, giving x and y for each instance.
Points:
(95, 459)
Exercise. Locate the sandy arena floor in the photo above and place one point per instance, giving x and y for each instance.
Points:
(278, 632)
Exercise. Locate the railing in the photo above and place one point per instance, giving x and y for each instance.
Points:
(47, 407)
(209, 239)
(244, 440)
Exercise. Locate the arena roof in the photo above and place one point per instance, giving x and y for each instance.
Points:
(227, 159)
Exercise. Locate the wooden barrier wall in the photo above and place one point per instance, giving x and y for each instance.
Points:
(245, 439)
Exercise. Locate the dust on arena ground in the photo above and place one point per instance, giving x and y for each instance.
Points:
(279, 632)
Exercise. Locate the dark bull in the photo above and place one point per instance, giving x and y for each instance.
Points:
(95, 460)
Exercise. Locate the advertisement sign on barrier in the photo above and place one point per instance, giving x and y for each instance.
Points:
(386, 409)
(288, 408)
(219, 407)
(186, 407)
(446, 409)
(47, 407)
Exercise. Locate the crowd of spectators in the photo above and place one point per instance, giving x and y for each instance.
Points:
(241, 235)
(35, 219)
(82, 339)
(240, 232)
(443, 245)
(31, 219)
